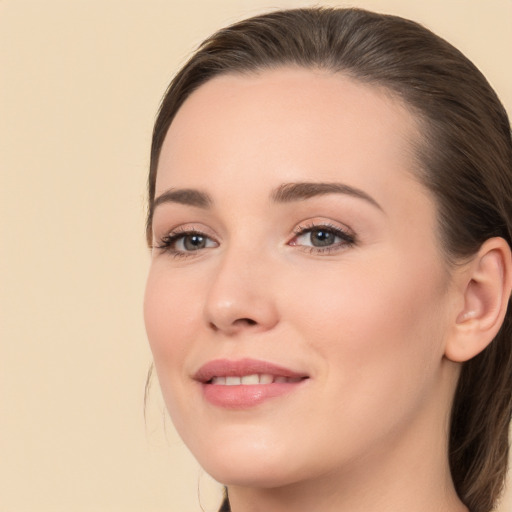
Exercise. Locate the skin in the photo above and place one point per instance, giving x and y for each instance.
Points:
(367, 321)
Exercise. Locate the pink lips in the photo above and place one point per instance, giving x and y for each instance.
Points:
(223, 382)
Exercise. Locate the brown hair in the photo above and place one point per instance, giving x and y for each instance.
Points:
(465, 159)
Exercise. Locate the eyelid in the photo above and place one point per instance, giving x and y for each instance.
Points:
(322, 222)
(167, 241)
(181, 228)
(314, 223)
(344, 233)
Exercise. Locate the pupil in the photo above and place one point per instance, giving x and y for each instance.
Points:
(322, 238)
(194, 242)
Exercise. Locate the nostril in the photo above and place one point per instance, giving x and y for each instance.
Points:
(248, 321)
(239, 322)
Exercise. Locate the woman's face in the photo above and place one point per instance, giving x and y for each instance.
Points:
(294, 247)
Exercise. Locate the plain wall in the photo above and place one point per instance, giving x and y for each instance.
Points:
(80, 82)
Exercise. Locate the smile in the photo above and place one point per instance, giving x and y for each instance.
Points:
(246, 383)
(252, 380)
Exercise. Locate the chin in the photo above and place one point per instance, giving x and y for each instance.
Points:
(247, 468)
(240, 478)
(261, 477)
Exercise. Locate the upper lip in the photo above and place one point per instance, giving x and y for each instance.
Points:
(241, 367)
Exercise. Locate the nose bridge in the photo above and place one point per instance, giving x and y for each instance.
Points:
(240, 294)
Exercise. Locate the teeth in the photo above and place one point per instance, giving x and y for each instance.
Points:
(265, 378)
(251, 380)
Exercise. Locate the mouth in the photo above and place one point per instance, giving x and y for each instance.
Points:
(246, 383)
(252, 380)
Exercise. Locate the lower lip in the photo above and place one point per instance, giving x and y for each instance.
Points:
(244, 397)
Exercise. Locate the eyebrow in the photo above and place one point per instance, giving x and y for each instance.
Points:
(188, 196)
(289, 192)
(285, 193)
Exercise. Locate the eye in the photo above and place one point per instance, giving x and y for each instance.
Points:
(182, 242)
(318, 237)
(321, 238)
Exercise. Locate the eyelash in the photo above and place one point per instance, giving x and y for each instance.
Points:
(347, 238)
(169, 241)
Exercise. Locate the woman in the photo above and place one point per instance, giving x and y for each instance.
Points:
(330, 219)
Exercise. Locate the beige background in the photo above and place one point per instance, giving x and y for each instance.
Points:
(80, 84)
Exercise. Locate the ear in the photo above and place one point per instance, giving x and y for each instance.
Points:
(485, 284)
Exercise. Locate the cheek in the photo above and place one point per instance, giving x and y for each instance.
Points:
(171, 319)
(374, 325)
(378, 335)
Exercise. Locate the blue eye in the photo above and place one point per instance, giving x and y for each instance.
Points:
(322, 237)
(319, 238)
(192, 242)
(183, 242)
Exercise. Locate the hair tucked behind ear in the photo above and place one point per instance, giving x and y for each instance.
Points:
(464, 158)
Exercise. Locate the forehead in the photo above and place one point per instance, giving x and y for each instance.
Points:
(286, 124)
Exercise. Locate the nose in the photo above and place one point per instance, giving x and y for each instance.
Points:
(240, 298)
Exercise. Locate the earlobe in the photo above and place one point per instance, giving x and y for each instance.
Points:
(486, 286)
